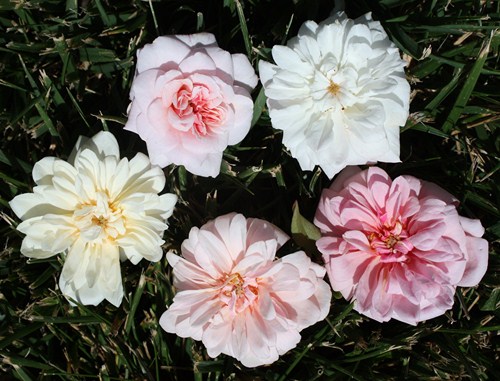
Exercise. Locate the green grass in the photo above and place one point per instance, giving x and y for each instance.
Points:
(66, 69)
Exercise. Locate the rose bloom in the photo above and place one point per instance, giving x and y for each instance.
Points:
(96, 209)
(338, 91)
(398, 247)
(237, 298)
(190, 100)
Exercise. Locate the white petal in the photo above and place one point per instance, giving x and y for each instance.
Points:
(358, 121)
(266, 72)
(289, 60)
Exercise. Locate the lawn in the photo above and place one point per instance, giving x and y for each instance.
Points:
(66, 69)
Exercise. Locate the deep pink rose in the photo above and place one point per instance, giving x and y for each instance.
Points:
(398, 248)
(190, 100)
(237, 298)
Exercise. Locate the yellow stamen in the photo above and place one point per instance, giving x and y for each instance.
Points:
(333, 88)
(100, 221)
(391, 241)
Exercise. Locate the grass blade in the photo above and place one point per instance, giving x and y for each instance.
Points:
(468, 88)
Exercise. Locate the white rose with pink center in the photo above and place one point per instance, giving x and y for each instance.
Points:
(237, 297)
(190, 100)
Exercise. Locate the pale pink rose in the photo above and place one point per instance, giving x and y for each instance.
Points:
(234, 296)
(398, 248)
(190, 100)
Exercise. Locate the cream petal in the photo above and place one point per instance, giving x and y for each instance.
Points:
(102, 144)
(61, 216)
(47, 234)
(43, 170)
(29, 205)
(131, 253)
(91, 273)
(139, 177)
(144, 240)
(166, 205)
(31, 248)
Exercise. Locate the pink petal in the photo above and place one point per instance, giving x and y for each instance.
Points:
(477, 262)
(261, 230)
(358, 240)
(349, 175)
(244, 73)
(197, 40)
(432, 190)
(163, 50)
(243, 112)
(344, 271)
(199, 61)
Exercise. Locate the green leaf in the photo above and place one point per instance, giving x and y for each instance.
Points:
(302, 226)
(304, 233)
(493, 302)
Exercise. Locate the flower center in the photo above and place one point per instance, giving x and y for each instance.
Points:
(237, 292)
(99, 219)
(391, 243)
(333, 88)
(198, 109)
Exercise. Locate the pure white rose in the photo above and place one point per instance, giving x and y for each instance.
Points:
(338, 91)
